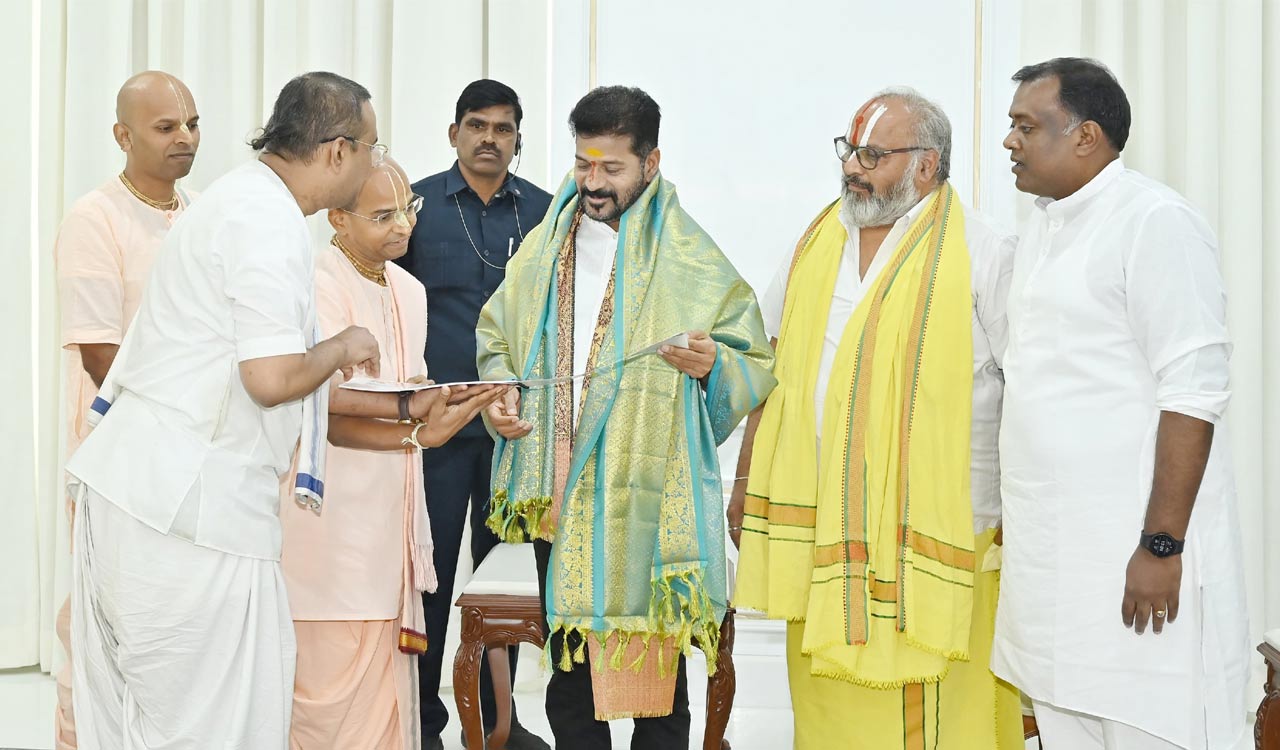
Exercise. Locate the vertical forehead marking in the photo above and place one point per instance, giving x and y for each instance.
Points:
(182, 105)
(400, 192)
(855, 123)
(871, 123)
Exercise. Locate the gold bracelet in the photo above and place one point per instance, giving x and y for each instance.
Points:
(412, 440)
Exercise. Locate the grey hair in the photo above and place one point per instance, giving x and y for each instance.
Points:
(932, 128)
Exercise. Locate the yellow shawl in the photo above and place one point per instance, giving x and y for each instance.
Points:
(881, 570)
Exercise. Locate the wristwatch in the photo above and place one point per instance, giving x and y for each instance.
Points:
(405, 417)
(1161, 544)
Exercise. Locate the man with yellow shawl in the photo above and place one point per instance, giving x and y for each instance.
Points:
(615, 474)
(873, 491)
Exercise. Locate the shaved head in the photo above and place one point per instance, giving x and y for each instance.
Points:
(377, 227)
(387, 189)
(157, 127)
(148, 89)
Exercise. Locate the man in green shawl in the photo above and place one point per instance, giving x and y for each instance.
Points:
(642, 348)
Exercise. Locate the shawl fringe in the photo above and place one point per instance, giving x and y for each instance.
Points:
(512, 520)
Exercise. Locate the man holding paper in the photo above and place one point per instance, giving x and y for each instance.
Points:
(355, 572)
(613, 468)
(179, 614)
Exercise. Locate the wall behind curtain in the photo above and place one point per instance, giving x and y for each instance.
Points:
(1203, 79)
(235, 55)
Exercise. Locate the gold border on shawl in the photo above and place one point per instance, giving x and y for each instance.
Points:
(859, 399)
(412, 642)
(792, 515)
(755, 505)
(851, 552)
(913, 716)
(938, 551)
(884, 591)
(911, 376)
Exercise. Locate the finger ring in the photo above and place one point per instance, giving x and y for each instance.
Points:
(1160, 613)
(735, 528)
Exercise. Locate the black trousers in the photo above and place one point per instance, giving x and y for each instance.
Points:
(571, 707)
(457, 483)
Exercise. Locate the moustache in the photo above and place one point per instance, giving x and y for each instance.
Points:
(600, 194)
(852, 182)
(487, 150)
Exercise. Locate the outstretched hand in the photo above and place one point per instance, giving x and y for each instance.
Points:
(504, 415)
(453, 408)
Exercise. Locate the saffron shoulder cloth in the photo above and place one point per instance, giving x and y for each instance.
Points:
(871, 543)
(639, 535)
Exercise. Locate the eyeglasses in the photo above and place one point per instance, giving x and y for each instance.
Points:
(378, 150)
(868, 156)
(393, 217)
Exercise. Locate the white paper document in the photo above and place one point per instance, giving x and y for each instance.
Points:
(392, 386)
(370, 385)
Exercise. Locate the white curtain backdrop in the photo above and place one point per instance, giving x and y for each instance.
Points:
(1203, 78)
(414, 56)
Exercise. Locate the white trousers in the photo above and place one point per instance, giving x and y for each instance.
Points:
(177, 646)
(1061, 729)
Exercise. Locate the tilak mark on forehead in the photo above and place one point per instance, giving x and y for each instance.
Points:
(400, 191)
(182, 105)
(858, 135)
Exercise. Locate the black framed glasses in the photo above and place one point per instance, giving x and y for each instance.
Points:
(868, 156)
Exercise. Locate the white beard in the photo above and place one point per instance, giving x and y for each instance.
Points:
(880, 209)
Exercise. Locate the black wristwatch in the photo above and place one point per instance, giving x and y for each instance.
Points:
(405, 416)
(1161, 544)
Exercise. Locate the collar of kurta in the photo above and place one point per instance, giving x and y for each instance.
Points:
(1071, 206)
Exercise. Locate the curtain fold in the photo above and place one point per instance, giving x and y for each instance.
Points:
(1203, 79)
(235, 55)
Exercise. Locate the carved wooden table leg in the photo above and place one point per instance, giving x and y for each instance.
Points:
(466, 676)
(500, 672)
(1266, 730)
(720, 690)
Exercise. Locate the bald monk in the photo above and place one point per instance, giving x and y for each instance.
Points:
(103, 254)
(356, 572)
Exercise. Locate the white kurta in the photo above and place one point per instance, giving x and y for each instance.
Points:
(594, 254)
(179, 614)
(1116, 313)
(991, 267)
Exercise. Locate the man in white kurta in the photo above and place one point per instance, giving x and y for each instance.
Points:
(104, 251)
(1116, 385)
(179, 615)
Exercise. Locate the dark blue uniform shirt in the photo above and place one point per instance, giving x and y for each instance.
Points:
(461, 272)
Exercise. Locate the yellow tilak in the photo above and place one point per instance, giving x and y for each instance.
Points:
(182, 106)
(401, 193)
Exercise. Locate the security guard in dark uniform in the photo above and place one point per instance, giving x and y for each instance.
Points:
(473, 219)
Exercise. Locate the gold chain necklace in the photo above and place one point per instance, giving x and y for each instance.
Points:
(169, 205)
(378, 277)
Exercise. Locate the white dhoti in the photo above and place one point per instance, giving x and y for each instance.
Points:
(177, 646)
